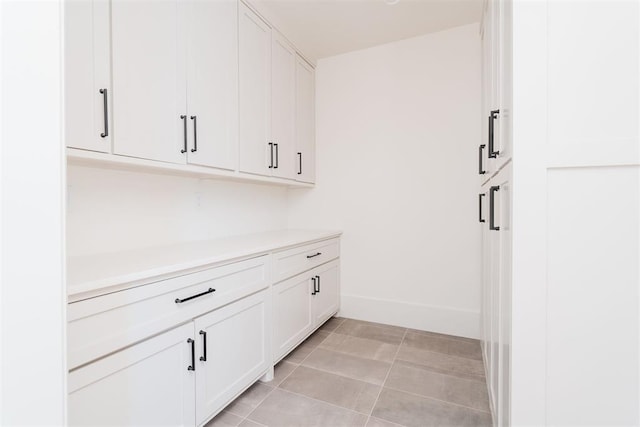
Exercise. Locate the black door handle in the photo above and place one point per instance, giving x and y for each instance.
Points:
(203, 358)
(318, 282)
(277, 159)
(271, 151)
(313, 279)
(106, 113)
(299, 163)
(481, 170)
(195, 134)
(314, 255)
(480, 196)
(208, 291)
(184, 122)
(192, 367)
(492, 152)
(492, 191)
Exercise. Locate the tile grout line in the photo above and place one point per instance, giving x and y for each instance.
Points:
(387, 376)
(438, 400)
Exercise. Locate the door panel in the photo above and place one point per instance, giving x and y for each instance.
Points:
(292, 313)
(326, 301)
(305, 142)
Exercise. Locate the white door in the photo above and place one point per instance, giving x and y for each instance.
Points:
(483, 201)
(148, 384)
(149, 79)
(232, 352)
(87, 75)
(212, 82)
(493, 290)
(292, 313)
(305, 142)
(326, 300)
(283, 105)
(256, 151)
(505, 84)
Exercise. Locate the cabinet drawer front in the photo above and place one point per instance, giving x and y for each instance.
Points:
(99, 326)
(294, 261)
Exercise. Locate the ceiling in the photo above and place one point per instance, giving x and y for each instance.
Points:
(322, 28)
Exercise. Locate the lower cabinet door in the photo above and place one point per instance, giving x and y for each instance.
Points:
(292, 314)
(232, 351)
(148, 384)
(326, 300)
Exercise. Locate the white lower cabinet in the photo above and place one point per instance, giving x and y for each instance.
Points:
(146, 384)
(232, 346)
(181, 377)
(301, 304)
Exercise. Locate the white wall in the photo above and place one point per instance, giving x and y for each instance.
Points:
(32, 293)
(397, 135)
(111, 210)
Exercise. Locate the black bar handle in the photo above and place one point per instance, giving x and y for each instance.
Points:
(277, 157)
(208, 291)
(313, 279)
(184, 122)
(318, 281)
(203, 358)
(494, 114)
(106, 113)
(481, 170)
(271, 151)
(481, 195)
(192, 367)
(492, 191)
(299, 163)
(195, 134)
(314, 255)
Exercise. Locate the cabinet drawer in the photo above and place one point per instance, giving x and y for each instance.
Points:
(101, 325)
(294, 261)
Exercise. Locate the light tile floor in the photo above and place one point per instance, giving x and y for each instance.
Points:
(354, 373)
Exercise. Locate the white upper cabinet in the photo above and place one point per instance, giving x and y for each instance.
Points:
(283, 105)
(87, 75)
(305, 139)
(255, 93)
(212, 82)
(149, 79)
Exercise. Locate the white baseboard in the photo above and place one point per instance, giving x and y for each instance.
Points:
(444, 320)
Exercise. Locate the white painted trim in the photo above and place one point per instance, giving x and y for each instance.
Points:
(444, 320)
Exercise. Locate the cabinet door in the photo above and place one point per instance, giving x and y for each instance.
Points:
(255, 92)
(305, 142)
(87, 75)
(147, 384)
(232, 352)
(292, 313)
(505, 84)
(326, 300)
(283, 105)
(149, 79)
(212, 82)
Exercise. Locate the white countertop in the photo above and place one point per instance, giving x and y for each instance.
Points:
(88, 275)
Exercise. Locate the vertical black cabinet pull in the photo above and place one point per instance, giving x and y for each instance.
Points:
(480, 196)
(276, 164)
(195, 134)
(492, 152)
(313, 279)
(105, 112)
(299, 163)
(492, 204)
(192, 367)
(318, 282)
(481, 170)
(203, 358)
(184, 123)
(271, 151)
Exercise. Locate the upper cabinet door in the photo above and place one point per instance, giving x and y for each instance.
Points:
(212, 82)
(305, 142)
(149, 79)
(87, 78)
(256, 154)
(283, 105)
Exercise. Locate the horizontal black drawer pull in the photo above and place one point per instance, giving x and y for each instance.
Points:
(314, 255)
(210, 290)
